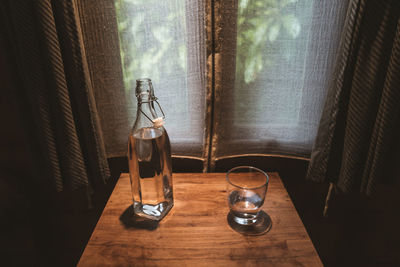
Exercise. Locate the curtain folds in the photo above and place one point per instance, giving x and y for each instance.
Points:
(54, 81)
(362, 111)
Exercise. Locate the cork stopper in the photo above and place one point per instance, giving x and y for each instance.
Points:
(159, 122)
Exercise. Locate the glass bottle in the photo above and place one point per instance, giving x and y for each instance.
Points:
(149, 154)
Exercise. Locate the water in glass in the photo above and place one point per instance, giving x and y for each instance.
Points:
(245, 205)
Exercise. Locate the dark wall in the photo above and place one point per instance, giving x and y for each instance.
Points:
(37, 227)
(17, 235)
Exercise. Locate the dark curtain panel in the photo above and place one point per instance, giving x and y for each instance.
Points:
(361, 115)
(45, 43)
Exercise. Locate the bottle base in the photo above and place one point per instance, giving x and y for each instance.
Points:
(152, 212)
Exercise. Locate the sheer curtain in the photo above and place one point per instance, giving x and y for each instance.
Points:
(165, 41)
(267, 70)
(270, 98)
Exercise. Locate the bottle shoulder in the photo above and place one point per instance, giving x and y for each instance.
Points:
(147, 133)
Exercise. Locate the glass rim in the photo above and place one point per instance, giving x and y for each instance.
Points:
(247, 167)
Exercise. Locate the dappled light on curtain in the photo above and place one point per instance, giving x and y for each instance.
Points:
(270, 101)
(165, 41)
(268, 68)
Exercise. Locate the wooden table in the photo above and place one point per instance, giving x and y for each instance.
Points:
(196, 232)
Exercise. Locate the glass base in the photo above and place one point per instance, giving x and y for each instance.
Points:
(261, 225)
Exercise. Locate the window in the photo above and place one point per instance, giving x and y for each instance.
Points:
(242, 77)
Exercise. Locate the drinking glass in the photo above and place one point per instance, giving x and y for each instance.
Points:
(246, 188)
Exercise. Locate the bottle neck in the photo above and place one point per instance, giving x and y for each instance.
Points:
(146, 114)
(145, 106)
(144, 87)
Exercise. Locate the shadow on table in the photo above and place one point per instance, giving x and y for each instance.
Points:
(130, 220)
(260, 227)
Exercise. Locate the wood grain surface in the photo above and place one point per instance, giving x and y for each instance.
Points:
(196, 232)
